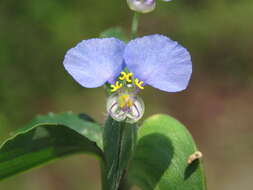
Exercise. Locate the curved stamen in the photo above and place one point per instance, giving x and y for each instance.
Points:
(110, 110)
(126, 76)
(139, 83)
(116, 86)
(137, 111)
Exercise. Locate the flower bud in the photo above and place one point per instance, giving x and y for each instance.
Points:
(142, 6)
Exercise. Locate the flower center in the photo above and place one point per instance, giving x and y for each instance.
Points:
(125, 106)
(125, 101)
(127, 81)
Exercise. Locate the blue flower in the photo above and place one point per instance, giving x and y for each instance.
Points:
(153, 60)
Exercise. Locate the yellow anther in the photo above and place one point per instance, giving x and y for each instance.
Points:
(123, 75)
(125, 101)
(139, 83)
(116, 86)
(126, 76)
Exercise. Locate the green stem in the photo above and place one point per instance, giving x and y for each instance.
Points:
(103, 175)
(135, 24)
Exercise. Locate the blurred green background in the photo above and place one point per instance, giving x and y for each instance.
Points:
(216, 107)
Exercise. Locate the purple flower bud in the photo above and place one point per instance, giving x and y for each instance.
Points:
(143, 6)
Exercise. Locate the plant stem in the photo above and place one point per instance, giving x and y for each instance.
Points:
(135, 24)
(103, 174)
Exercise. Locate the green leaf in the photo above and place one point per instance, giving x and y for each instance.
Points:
(160, 161)
(119, 142)
(81, 123)
(48, 138)
(116, 32)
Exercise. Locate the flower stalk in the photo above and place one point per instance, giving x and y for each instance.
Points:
(135, 24)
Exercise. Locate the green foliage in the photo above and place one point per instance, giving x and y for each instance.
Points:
(160, 160)
(48, 138)
(157, 159)
(81, 123)
(119, 142)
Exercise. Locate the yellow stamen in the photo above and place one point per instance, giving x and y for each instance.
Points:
(129, 75)
(123, 75)
(116, 86)
(125, 101)
(126, 76)
(139, 83)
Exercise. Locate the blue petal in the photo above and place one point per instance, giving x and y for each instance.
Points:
(95, 61)
(159, 62)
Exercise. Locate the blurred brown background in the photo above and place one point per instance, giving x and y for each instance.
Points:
(217, 106)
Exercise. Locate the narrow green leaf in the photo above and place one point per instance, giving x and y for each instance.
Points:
(80, 123)
(47, 138)
(116, 32)
(160, 161)
(119, 142)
